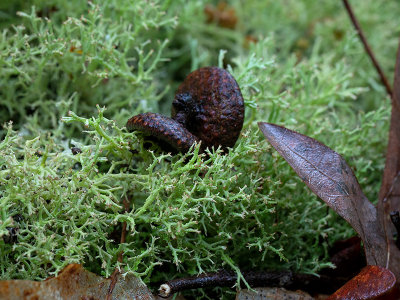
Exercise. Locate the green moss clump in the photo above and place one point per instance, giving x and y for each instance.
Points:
(73, 73)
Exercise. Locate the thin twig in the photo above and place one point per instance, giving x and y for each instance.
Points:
(394, 183)
(226, 278)
(367, 48)
(114, 278)
(223, 278)
(114, 275)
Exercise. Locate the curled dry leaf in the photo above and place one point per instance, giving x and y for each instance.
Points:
(328, 175)
(74, 282)
(372, 282)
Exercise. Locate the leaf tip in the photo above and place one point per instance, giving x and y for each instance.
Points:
(262, 124)
(271, 130)
(264, 127)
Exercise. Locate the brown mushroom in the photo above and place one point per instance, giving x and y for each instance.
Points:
(208, 107)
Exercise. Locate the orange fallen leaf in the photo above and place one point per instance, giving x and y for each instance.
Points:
(372, 282)
(74, 282)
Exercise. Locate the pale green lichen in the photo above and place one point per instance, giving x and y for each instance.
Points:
(189, 212)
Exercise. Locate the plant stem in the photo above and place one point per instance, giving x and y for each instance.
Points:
(114, 275)
(367, 48)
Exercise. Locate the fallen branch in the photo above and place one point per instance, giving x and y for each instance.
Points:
(283, 279)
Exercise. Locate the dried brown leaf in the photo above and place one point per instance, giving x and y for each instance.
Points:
(74, 282)
(273, 294)
(372, 282)
(328, 175)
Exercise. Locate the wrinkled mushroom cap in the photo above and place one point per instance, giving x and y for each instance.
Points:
(210, 105)
(164, 129)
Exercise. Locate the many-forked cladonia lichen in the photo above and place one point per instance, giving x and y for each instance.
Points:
(191, 212)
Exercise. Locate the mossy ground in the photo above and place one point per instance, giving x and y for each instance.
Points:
(73, 72)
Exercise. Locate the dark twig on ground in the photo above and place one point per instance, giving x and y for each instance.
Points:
(224, 278)
(368, 49)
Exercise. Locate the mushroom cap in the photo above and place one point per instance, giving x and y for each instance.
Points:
(210, 105)
(164, 129)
